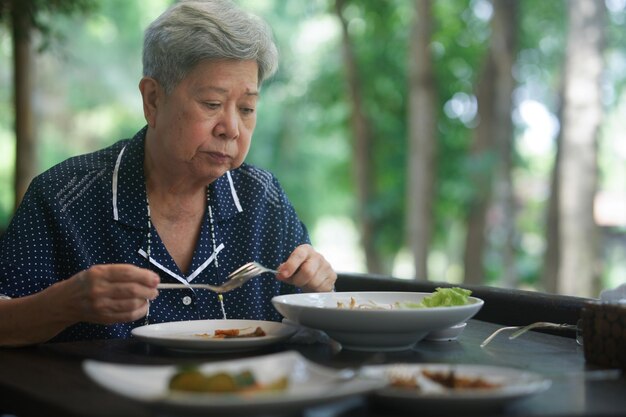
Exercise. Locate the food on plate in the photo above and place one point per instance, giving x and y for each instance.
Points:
(442, 297)
(352, 304)
(233, 333)
(193, 380)
(228, 333)
(453, 381)
(445, 379)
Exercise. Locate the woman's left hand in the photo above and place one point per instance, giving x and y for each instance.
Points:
(306, 268)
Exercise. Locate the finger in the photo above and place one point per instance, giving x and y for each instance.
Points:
(110, 306)
(131, 291)
(295, 260)
(324, 278)
(321, 283)
(117, 281)
(124, 317)
(116, 311)
(329, 283)
(99, 290)
(307, 274)
(124, 273)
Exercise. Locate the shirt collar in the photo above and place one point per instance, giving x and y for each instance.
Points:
(129, 190)
(223, 198)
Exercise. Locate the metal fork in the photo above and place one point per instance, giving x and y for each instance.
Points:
(520, 330)
(235, 280)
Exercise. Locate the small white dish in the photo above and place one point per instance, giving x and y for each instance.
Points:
(195, 334)
(447, 334)
(512, 384)
(310, 384)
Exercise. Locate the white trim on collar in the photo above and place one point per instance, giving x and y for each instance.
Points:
(116, 171)
(193, 275)
(234, 192)
(206, 263)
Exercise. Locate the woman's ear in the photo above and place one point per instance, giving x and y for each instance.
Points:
(150, 90)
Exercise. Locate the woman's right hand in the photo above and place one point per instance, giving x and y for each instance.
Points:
(103, 294)
(107, 294)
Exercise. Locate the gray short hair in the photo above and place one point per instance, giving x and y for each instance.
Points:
(195, 30)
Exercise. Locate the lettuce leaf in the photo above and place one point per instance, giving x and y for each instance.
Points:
(442, 297)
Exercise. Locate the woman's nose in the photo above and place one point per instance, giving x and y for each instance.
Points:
(228, 125)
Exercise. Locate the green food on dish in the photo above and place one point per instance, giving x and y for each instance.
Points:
(442, 297)
(193, 380)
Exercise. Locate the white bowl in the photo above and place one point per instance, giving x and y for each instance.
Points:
(372, 329)
(447, 334)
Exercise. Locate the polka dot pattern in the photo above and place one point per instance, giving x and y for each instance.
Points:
(66, 223)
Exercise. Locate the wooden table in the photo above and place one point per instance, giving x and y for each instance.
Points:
(48, 380)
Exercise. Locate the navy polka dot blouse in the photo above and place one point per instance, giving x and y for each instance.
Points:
(91, 209)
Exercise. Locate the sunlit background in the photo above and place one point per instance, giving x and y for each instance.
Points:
(86, 97)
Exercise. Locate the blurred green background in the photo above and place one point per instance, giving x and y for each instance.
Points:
(85, 97)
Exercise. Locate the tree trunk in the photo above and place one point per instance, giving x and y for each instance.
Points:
(550, 271)
(504, 47)
(362, 149)
(482, 155)
(492, 148)
(25, 154)
(422, 125)
(582, 114)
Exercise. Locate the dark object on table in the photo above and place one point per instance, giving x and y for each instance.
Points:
(604, 334)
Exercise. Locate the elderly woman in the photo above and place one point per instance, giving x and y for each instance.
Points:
(95, 234)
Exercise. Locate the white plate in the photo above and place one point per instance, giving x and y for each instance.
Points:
(513, 385)
(186, 335)
(309, 384)
(372, 329)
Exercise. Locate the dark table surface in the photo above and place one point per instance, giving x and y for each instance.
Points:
(48, 380)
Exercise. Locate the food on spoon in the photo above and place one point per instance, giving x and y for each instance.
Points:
(233, 333)
(193, 380)
(442, 297)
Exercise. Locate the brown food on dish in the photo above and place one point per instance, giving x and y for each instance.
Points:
(453, 381)
(233, 333)
(449, 380)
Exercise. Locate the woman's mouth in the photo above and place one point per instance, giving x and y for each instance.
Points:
(219, 157)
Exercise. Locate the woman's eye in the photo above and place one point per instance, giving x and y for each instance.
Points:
(211, 105)
(247, 110)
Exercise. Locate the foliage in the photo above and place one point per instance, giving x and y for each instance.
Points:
(381, 57)
(459, 46)
(87, 94)
(27, 18)
(41, 13)
(286, 141)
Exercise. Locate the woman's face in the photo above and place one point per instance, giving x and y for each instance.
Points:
(205, 124)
